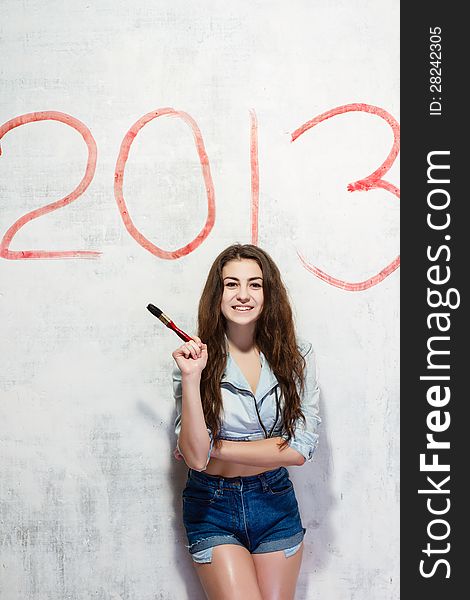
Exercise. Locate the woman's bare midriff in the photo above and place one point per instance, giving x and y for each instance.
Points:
(225, 469)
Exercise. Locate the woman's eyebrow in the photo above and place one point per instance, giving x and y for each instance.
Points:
(236, 278)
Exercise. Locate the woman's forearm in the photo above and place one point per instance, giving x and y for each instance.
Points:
(259, 453)
(193, 440)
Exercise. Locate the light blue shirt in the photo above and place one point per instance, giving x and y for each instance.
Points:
(240, 421)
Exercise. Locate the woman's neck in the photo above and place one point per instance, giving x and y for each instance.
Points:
(241, 339)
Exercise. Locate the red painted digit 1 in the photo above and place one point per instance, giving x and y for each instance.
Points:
(119, 178)
(254, 177)
(5, 252)
(368, 183)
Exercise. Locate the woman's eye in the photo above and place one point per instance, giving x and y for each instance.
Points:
(257, 285)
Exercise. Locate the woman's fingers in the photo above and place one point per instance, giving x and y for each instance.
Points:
(190, 349)
(182, 351)
(194, 348)
(197, 340)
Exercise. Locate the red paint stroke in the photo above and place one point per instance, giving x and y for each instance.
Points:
(5, 252)
(254, 177)
(372, 181)
(345, 285)
(209, 186)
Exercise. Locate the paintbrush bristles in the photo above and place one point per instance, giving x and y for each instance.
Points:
(159, 314)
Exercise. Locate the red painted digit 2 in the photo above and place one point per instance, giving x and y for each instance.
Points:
(5, 252)
(119, 177)
(368, 183)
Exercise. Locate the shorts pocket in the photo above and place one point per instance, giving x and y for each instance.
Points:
(280, 487)
(200, 493)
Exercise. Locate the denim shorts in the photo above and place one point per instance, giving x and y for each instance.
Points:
(259, 512)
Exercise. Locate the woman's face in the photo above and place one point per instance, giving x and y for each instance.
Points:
(242, 298)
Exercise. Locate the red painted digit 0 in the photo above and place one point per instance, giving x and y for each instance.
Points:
(368, 183)
(119, 178)
(254, 177)
(5, 252)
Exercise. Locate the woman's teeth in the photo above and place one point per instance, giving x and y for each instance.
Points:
(242, 308)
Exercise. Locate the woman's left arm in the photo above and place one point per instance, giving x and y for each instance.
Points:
(305, 438)
(259, 453)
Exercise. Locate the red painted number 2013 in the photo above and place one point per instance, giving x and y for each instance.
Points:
(372, 181)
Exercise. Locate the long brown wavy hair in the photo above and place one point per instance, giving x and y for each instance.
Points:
(274, 336)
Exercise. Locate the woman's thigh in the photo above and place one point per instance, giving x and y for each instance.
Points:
(231, 575)
(277, 575)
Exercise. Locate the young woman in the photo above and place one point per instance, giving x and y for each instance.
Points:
(247, 407)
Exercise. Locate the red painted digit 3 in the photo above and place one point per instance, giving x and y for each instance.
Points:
(5, 251)
(209, 186)
(368, 183)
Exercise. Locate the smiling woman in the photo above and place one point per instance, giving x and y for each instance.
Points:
(247, 407)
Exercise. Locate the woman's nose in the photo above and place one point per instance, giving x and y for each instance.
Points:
(243, 293)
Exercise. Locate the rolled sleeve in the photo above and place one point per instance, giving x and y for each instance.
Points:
(178, 395)
(305, 438)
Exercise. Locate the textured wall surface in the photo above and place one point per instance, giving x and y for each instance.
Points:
(89, 490)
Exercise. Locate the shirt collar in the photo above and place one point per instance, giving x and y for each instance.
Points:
(234, 375)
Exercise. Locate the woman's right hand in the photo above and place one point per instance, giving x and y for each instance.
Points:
(191, 357)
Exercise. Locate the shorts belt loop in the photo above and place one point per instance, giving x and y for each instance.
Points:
(264, 483)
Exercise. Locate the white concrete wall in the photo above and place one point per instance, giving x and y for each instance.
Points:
(89, 491)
